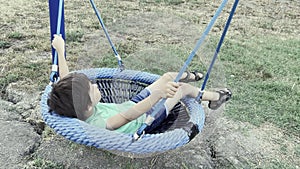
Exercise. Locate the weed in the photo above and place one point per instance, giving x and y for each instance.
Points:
(126, 48)
(4, 44)
(39, 163)
(106, 61)
(278, 164)
(74, 36)
(167, 2)
(16, 35)
(7, 79)
(48, 133)
(171, 2)
(21, 70)
(297, 151)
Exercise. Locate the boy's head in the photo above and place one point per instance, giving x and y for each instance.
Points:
(71, 96)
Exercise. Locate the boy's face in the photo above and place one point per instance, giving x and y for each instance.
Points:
(94, 93)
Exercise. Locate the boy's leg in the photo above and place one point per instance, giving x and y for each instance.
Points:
(192, 91)
(187, 76)
(159, 118)
(170, 76)
(183, 91)
(141, 95)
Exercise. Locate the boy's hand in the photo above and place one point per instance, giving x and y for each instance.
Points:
(168, 90)
(58, 43)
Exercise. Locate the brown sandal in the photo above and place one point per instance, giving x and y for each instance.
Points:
(224, 97)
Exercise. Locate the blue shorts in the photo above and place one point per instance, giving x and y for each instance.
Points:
(159, 117)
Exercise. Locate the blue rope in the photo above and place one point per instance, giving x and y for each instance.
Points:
(54, 73)
(58, 27)
(160, 104)
(199, 97)
(201, 40)
(121, 66)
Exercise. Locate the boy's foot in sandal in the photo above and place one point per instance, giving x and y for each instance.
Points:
(193, 76)
(225, 95)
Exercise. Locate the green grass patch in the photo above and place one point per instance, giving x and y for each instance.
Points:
(107, 61)
(170, 2)
(22, 70)
(74, 36)
(126, 48)
(166, 2)
(4, 44)
(297, 151)
(265, 81)
(36, 70)
(279, 164)
(16, 35)
(44, 164)
(7, 79)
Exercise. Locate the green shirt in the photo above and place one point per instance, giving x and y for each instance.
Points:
(103, 111)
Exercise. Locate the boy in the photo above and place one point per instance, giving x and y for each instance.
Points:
(75, 96)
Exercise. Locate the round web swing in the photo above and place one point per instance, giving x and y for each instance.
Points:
(183, 123)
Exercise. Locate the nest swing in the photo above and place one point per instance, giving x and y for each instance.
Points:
(184, 122)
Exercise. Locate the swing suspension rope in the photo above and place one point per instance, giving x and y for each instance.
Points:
(121, 66)
(54, 72)
(54, 75)
(199, 97)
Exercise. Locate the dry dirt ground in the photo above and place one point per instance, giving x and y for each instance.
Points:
(27, 143)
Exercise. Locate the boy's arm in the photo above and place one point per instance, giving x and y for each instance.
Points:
(58, 44)
(141, 107)
(134, 112)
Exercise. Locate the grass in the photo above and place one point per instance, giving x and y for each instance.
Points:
(21, 70)
(106, 61)
(75, 36)
(170, 2)
(16, 35)
(4, 44)
(265, 81)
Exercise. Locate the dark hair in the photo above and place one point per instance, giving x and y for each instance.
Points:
(70, 95)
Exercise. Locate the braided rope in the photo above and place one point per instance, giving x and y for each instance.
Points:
(83, 133)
